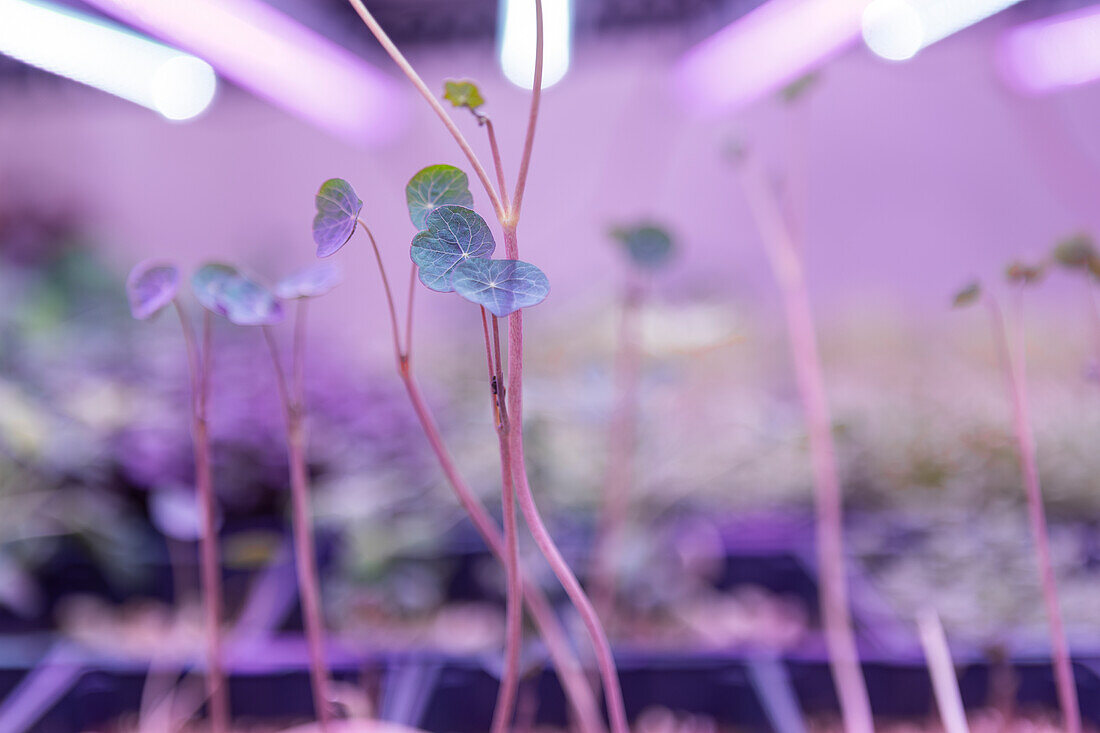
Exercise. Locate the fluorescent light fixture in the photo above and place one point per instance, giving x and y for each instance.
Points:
(898, 29)
(517, 41)
(107, 57)
(1052, 53)
(767, 48)
(277, 58)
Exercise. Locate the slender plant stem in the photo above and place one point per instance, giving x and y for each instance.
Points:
(840, 639)
(1094, 318)
(621, 437)
(1015, 372)
(406, 355)
(532, 119)
(576, 688)
(410, 72)
(389, 295)
(513, 628)
(305, 555)
(509, 220)
(944, 682)
(209, 553)
(498, 163)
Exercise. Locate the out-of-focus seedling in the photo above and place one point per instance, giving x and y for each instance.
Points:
(648, 248)
(151, 287)
(780, 234)
(1011, 350)
(1077, 253)
(224, 290)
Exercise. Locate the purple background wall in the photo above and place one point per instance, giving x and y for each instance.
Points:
(920, 174)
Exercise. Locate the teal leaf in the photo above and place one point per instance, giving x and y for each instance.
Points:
(208, 282)
(338, 209)
(649, 246)
(436, 185)
(310, 282)
(222, 289)
(150, 287)
(502, 286)
(452, 234)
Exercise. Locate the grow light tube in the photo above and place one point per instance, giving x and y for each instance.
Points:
(767, 48)
(517, 41)
(898, 29)
(278, 59)
(108, 57)
(1053, 53)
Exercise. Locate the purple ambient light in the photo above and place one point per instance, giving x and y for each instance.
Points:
(760, 52)
(1052, 53)
(278, 59)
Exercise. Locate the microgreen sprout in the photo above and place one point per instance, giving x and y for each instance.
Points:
(648, 248)
(1011, 350)
(779, 234)
(511, 301)
(1077, 254)
(152, 287)
(243, 300)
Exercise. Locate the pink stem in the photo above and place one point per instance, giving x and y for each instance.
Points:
(1094, 319)
(622, 436)
(602, 649)
(532, 121)
(418, 83)
(557, 642)
(513, 630)
(1015, 368)
(209, 566)
(553, 635)
(836, 618)
(498, 163)
(305, 556)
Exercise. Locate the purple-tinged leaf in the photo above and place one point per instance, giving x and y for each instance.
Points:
(208, 282)
(338, 209)
(248, 303)
(310, 282)
(502, 286)
(222, 289)
(452, 235)
(436, 185)
(150, 287)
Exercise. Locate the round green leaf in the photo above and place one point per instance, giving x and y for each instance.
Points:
(452, 235)
(310, 282)
(338, 209)
(502, 286)
(649, 246)
(436, 185)
(150, 287)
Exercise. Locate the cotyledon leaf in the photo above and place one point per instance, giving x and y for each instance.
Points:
(338, 208)
(452, 234)
(434, 186)
(502, 286)
(150, 287)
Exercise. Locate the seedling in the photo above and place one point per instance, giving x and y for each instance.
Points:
(778, 235)
(1078, 254)
(480, 284)
(1012, 354)
(222, 289)
(443, 185)
(648, 248)
(152, 287)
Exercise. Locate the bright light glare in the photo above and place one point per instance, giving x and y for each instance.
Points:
(517, 44)
(107, 57)
(1055, 52)
(898, 29)
(771, 46)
